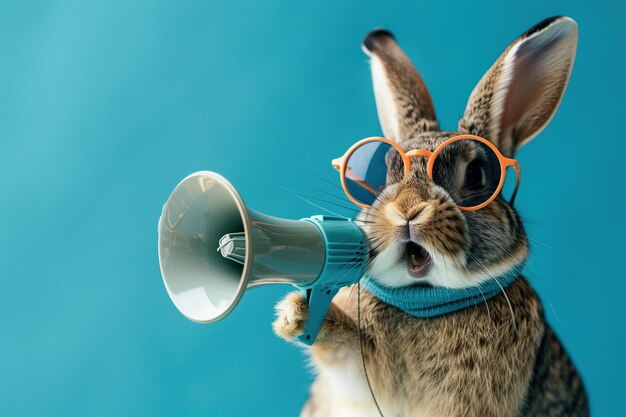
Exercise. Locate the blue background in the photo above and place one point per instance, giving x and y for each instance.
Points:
(105, 107)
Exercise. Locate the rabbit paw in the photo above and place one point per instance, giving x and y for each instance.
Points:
(291, 316)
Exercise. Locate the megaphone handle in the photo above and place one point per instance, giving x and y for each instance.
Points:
(318, 303)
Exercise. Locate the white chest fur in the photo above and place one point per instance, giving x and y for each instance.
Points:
(346, 387)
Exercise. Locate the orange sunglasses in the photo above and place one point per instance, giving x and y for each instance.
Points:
(364, 166)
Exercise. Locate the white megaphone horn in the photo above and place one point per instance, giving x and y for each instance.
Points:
(212, 248)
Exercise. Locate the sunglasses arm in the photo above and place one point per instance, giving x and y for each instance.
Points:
(518, 177)
(337, 163)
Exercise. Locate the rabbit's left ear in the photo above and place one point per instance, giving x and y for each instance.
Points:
(402, 99)
(520, 93)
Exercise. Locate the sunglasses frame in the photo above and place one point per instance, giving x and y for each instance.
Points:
(341, 164)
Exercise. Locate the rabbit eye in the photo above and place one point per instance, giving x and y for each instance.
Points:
(474, 175)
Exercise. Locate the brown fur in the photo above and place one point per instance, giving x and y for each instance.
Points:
(447, 368)
(498, 358)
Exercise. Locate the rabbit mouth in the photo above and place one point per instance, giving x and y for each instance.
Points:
(417, 260)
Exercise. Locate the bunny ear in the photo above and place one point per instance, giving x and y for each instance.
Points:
(403, 102)
(520, 93)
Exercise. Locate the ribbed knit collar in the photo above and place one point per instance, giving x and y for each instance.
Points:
(423, 301)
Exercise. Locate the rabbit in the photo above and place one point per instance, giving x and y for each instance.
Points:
(497, 358)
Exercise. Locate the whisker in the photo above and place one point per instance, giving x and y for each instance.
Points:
(484, 268)
(508, 302)
(342, 272)
(485, 300)
(314, 205)
(325, 192)
(328, 202)
(545, 245)
(313, 174)
(554, 311)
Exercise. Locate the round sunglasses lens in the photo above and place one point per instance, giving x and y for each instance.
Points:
(469, 170)
(366, 171)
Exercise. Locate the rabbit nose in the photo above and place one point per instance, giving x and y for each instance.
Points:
(395, 215)
(416, 213)
(410, 221)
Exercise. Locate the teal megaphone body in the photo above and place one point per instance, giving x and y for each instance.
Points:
(212, 248)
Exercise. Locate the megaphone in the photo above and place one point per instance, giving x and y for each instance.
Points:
(212, 248)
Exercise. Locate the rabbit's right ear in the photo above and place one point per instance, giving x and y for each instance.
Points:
(520, 93)
(402, 100)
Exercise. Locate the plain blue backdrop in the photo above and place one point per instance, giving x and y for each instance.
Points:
(105, 106)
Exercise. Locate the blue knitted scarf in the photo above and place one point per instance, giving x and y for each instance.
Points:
(422, 301)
